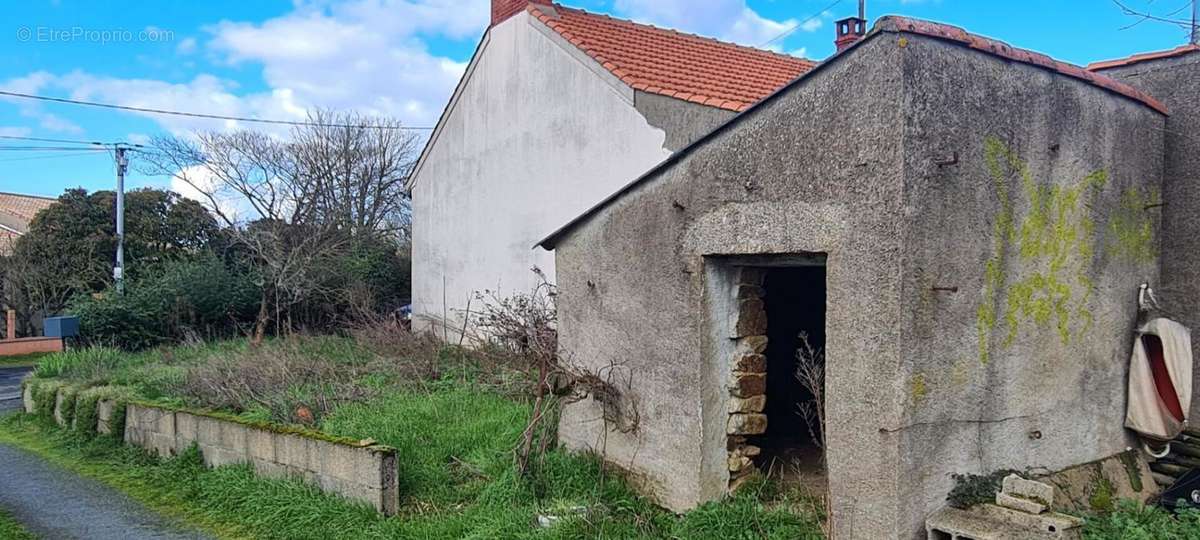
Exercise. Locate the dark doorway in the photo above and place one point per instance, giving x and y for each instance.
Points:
(795, 305)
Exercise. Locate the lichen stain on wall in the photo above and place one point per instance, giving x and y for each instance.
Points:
(1054, 239)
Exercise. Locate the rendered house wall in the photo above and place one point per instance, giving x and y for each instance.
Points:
(538, 133)
(897, 160)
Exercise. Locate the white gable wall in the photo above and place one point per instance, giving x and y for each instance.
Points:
(537, 134)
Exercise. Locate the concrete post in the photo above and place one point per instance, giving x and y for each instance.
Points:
(11, 324)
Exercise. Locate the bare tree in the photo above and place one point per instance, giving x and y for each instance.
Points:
(299, 201)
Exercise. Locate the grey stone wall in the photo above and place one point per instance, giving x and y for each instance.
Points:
(920, 168)
(1176, 82)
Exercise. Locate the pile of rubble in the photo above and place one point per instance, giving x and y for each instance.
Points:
(1022, 510)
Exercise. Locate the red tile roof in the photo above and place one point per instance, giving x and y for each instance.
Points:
(1177, 51)
(1006, 51)
(670, 63)
(23, 207)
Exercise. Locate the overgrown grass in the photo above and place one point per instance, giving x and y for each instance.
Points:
(1133, 521)
(453, 418)
(477, 497)
(10, 529)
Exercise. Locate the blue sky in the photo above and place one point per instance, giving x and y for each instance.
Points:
(274, 59)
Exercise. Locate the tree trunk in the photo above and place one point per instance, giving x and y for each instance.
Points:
(260, 325)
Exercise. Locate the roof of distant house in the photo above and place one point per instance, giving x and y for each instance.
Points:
(674, 64)
(892, 24)
(1156, 55)
(1006, 51)
(23, 207)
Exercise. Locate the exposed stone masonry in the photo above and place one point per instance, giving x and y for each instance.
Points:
(748, 380)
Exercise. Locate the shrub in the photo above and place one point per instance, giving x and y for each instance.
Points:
(177, 301)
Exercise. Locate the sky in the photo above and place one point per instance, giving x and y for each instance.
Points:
(400, 58)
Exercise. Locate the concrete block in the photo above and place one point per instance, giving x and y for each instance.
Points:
(27, 399)
(219, 456)
(295, 451)
(747, 424)
(1020, 504)
(1028, 489)
(754, 404)
(270, 469)
(104, 414)
(58, 408)
(208, 431)
(349, 463)
(260, 445)
(1049, 524)
(234, 436)
(185, 430)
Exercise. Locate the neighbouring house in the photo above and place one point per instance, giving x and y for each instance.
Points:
(960, 225)
(16, 211)
(1174, 77)
(557, 109)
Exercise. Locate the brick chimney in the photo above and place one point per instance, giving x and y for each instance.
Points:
(849, 31)
(502, 10)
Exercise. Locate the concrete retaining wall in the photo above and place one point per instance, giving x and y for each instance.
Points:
(359, 472)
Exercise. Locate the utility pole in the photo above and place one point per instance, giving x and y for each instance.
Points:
(119, 268)
(1195, 22)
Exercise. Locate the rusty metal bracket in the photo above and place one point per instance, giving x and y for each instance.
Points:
(943, 162)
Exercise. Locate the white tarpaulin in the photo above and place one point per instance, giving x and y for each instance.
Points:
(1160, 380)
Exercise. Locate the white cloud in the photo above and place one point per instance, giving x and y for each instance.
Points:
(186, 46)
(730, 20)
(15, 131)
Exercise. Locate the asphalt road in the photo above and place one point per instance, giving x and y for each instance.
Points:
(10, 387)
(56, 504)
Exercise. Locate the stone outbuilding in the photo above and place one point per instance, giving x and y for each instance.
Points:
(959, 225)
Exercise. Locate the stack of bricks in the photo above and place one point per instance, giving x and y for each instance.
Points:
(748, 380)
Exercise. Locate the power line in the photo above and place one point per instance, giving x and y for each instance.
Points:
(40, 148)
(797, 26)
(55, 156)
(193, 114)
(40, 139)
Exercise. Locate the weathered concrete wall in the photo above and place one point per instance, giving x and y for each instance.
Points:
(1176, 82)
(816, 170)
(362, 473)
(682, 121)
(538, 133)
(1042, 227)
(1035, 215)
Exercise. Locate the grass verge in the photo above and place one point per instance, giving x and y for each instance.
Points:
(10, 529)
(22, 360)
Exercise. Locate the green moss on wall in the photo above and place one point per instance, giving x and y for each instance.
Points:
(1050, 229)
